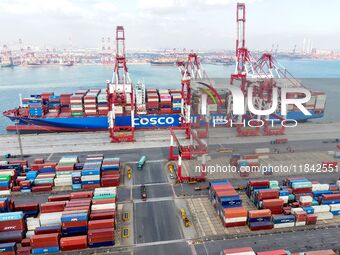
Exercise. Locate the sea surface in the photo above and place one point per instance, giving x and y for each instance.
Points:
(315, 74)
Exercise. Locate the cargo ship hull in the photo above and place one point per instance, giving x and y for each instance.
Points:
(97, 123)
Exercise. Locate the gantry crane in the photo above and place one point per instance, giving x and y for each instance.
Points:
(192, 71)
(261, 76)
(121, 96)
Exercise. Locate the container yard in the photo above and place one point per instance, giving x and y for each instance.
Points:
(246, 166)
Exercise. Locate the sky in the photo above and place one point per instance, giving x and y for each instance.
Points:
(151, 24)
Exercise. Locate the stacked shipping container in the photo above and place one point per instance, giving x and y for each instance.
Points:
(67, 174)
(66, 222)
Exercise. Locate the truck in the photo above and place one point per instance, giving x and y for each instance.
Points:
(279, 141)
(185, 218)
(143, 192)
(141, 162)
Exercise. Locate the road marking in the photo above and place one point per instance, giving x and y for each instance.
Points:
(50, 156)
(160, 243)
(208, 218)
(152, 184)
(158, 199)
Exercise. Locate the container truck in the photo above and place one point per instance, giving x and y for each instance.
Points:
(141, 162)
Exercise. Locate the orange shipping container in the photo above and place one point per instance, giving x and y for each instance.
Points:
(235, 212)
(259, 213)
(321, 252)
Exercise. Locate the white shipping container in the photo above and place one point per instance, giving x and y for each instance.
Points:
(103, 206)
(236, 219)
(294, 210)
(338, 184)
(8, 172)
(262, 150)
(5, 192)
(32, 223)
(105, 191)
(321, 208)
(325, 215)
(335, 207)
(284, 225)
(90, 178)
(284, 198)
(50, 219)
(306, 199)
(300, 223)
(320, 187)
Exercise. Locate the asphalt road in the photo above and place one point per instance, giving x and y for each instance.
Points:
(178, 248)
(154, 191)
(156, 221)
(294, 242)
(151, 173)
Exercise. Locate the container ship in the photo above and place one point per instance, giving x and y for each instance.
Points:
(87, 110)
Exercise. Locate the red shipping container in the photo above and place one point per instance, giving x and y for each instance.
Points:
(52, 207)
(73, 243)
(25, 242)
(268, 194)
(92, 240)
(26, 207)
(45, 240)
(64, 167)
(301, 216)
(8, 253)
(90, 186)
(302, 190)
(258, 183)
(328, 197)
(21, 162)
(12, 225)
(39, 231)
(224, 186)
(259, 213)
(102, 215)
(77, 208)
(234, 224)
(59, 198)
(97, 224)
(226, 193)
(311, 219)
(104, 201)
(39, 161)
(237, 250)
(42, 188)
(272, 202)
(250, 156)
(74, 224)
(320, 252)
(23, 250)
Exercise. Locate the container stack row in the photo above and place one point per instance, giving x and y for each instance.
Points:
(66, 222)
(69, 173)
(297, 202)
(227, 203)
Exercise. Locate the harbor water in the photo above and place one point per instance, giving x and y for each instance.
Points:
(315, 74)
